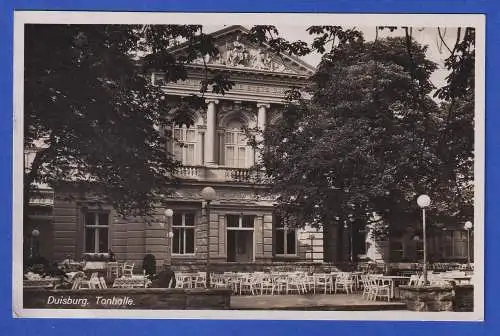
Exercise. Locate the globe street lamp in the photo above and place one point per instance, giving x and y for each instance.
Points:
(468, 227)
(35, 233)
(208, 194)
(169, 234)
(423, 202)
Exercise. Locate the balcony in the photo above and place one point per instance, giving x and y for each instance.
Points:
(42, 198)
(220, 174)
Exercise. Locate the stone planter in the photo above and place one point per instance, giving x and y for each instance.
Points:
(428, 298)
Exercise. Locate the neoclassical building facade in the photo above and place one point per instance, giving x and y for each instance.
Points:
(238, 225)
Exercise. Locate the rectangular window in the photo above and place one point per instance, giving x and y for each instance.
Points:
(455, 244)
(183, 229)
(184, 145)
(96, 232)
(240, 221)
(285, 238)
(235, 149)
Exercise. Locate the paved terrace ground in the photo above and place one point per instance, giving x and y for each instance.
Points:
(348, 302)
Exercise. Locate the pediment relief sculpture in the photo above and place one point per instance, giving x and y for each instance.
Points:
(239, 55)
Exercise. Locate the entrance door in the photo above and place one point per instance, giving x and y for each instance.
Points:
(239, 245)
(240, 238)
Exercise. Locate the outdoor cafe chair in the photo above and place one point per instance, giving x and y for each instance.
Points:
(217, 281)
(295, 284)
(182, 280)
(95, 282)
(77, 278)
(323, 282)
(102, 283)
(415, 280)
(248, 285)
(265, 284)
(344, 282)
(380, 288)
(87, 283)
(128, 269)
(367, 286)
(200, 279)
(279, 283)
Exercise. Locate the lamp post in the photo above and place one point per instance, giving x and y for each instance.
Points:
(311, 238)
(468, 227)
(423, 202)
(34, 235)
(208, 194)
(169, 235)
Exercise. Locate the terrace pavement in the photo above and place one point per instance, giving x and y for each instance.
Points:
(348, 302)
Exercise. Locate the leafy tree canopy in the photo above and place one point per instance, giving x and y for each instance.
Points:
(89, 97)
(371, 139)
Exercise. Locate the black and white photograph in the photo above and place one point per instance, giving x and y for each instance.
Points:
(248, 166)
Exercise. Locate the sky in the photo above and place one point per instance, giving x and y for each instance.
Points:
(426, 36)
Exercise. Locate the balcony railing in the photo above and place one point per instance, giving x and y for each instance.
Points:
(190, 172)
(42, 198)
(220, 173)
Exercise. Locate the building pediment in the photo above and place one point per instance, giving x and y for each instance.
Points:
(237, 52)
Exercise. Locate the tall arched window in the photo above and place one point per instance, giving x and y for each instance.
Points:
(236, 151)
(185, 144)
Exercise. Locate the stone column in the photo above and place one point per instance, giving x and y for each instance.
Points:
(261, 123)
(210, 133)
(261, 117)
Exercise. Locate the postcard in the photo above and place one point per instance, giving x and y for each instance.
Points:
(255, 166)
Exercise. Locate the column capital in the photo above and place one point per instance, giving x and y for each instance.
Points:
(211, 100)
(265, 105)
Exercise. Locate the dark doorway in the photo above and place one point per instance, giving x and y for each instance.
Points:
(239, 245)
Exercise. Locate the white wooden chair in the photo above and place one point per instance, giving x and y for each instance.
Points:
(381, 289)
(248, 285)
(103, 283)
(279, 283)
(88, 283)
(367, 286)
(77, 278)
(128, 269)
(295, 284)
(265, 284)
(415, 280)
(200, 279)
(323, 282)
(218, 281)
(344, 282)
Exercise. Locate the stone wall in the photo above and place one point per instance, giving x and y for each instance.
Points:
(428, 299)
(121, 298)
(459, 298)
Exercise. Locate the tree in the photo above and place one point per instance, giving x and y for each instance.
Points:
(100, 122)
(369, 141)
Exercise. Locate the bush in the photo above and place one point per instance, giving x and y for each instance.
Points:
(149, 264)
